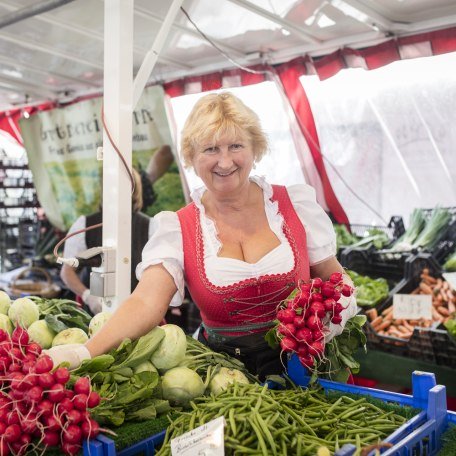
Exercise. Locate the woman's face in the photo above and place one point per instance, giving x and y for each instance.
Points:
(224, 166)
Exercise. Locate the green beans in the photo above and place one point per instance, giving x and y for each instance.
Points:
(284, 422)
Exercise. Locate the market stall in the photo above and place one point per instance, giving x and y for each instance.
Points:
(100, 88)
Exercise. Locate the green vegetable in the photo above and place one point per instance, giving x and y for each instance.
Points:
(343, 236)
(172, 348)
(450, 263)
(5, 324)
(450, 325)
(98, 321)
(180, 385)
(417, 222)
(23, 312)
(225, 377)
(5, 303)
(70, 336)
(41, 333)
(369, 292)
(431, 233)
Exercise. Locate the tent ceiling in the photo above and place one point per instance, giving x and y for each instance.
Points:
(58, 55)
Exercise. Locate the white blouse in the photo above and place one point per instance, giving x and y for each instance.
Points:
(165, 245)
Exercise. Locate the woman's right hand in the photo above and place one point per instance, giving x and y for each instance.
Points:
(74, 354)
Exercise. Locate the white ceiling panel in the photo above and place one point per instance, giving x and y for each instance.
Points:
(61, 51)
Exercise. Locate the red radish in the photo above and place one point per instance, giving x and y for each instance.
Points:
(12, 433)
(2, 427)
(336, 295)
(327, 290)
(20, 336)
(317, 282)
(30, 380)
(43, 364)
(45, 407)
(56, 393)
(72, 434)
(316, 297)
(28, 366)
(80, 400)
(337, 319)
(317, 308)
(288, 344)
(16, 381)
(299, 322)
(61, 375)
(304, 334)
(52, 423)
(287, 329)
(46, 380)
(335, 278)
(16, 354)
(74, 416)
(29, 424)
(33, 348)
(51, 438)
(15, 367)
(69, 394)
(90, 429)
(70, 448)
(316, 348)
(93, 400)
(338, 308)
(317, 335)
(302, 350)
(5, 363)
(3, 335)
(314, 322)
(34, 394)
(304, 298)
(65, 406)
(346, 290)
(288, 316)
(306, 361)
(329, 304)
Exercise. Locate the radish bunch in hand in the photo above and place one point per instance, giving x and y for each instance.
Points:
(304, 318)
(37, 408)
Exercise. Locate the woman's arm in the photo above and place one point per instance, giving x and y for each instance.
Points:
(71, 279)
(139, 313)
(326, 268)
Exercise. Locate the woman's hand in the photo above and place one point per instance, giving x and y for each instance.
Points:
(74, 354)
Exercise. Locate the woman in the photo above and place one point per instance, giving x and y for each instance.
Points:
(240, 247)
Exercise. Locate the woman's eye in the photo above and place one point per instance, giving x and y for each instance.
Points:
(209, 150)
(236, 146)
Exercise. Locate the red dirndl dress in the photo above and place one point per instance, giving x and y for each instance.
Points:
(236, 317)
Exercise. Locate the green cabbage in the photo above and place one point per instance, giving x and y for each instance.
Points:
(5, 324)
(70, 336)
(180, 385)
(41, 333)
(172, 348)
(98, 321)
(226, 377)
(5, 303)
(23, 312)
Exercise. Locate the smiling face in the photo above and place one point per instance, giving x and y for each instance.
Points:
(224, 164)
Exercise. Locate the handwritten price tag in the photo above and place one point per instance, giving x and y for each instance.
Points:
(412, 307)
(205, 440)
(450, 277)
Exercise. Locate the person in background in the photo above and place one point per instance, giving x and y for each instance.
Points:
(78, 281)
(240, 247)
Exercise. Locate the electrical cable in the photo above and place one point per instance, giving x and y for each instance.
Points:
(249, 70)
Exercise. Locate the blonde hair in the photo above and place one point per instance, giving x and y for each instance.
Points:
(221, 113)
(137, 196)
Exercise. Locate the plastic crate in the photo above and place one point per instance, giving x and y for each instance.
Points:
(104, 446)
(432, 344)
(421, 435)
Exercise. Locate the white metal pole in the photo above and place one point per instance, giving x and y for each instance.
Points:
(152, 55)
(118, 81)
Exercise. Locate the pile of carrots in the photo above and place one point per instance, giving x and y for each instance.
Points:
(443, 306)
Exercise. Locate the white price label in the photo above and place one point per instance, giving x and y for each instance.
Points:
(412, 307)
(450, 277)
(205, 440)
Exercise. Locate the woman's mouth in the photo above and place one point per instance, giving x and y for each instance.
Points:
(220, 174)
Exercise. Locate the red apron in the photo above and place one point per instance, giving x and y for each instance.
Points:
(248, 306)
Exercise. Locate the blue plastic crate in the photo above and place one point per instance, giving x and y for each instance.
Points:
(421, 435)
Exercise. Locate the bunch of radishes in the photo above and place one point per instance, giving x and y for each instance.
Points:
(37, 408)
(304, 318)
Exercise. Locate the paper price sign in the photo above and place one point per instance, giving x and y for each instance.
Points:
(205, 440)
(450, 277)
(412, 307)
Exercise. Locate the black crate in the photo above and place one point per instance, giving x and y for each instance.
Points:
(432, 344)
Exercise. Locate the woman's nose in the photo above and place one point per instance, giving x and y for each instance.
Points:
(225, 158)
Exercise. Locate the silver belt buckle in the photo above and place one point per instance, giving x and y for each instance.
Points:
(237, 351)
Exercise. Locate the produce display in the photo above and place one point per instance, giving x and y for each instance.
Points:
(284, 422)
(372, 237)
(450, 263)
(369, 292)
(49, 322)
(443, 306)
(303, 320)
(422, 233)
(39, 408)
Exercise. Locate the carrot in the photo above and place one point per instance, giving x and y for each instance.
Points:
(443, 311)
(372, 314)
(426, 289)
(387, 311)
(436, 316)
(376, 321)
(428, 279)
(385, 324)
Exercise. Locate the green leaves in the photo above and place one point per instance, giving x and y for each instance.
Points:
(271, 336)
